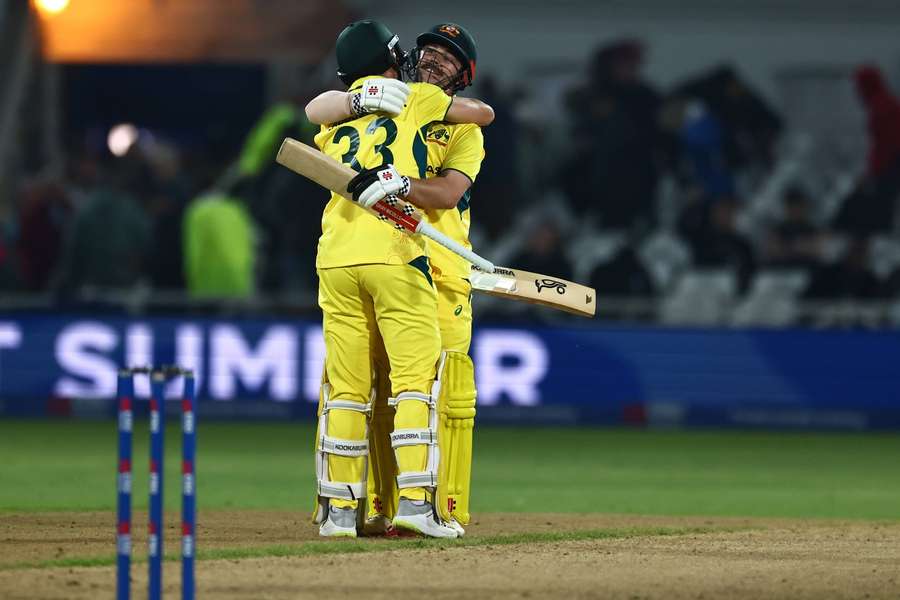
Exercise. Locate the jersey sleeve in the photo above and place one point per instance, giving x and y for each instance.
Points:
(321, 137)
(465, 151)
(431, 102)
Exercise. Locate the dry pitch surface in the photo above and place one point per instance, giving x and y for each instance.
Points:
(505, 556)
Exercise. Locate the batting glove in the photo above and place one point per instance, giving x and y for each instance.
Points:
(380, 95)
(371, 185)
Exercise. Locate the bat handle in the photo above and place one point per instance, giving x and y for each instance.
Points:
(429, 231)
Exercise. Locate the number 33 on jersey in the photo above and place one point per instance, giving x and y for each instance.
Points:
(350, 236)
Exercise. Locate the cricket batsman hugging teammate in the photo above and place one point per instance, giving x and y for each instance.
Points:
(397, 406)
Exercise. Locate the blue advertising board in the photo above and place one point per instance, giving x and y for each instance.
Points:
(65, 364)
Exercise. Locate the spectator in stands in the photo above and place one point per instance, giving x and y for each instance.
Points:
(44, 214)
(892, 284)
(796, 241)
(544, 252)
(716, 242)
(497, 188)
(701, 144)
(9, 275)
(279, 201)
(850, 277)
(219, 247)
(751, 126)
(165, 209)
(883, 121)
(83, 170)
(624, 275)
(613, 171)
(110, 238)
(871, 207)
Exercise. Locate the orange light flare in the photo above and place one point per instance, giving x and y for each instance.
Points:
(48, 8)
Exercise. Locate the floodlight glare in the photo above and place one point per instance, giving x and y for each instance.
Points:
(52, 7)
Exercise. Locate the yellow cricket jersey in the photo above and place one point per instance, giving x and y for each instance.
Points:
(458, 147)
(351, 236)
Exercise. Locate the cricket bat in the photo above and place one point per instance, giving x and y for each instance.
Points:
(329, 173)
(497, 281)
(535, 288)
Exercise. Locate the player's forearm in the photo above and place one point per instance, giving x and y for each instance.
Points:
(382, 95)
(437, 192)
(329, 107)
(470, 110)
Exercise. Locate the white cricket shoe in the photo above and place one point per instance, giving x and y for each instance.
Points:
(454, 524)
(419, 517)
(340, 522)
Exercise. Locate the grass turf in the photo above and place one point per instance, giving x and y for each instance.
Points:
(368, 545)
(70, 465)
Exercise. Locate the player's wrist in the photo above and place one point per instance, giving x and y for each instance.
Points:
(406, 187)
(356, 107)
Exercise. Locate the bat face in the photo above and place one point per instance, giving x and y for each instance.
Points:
(535, 288)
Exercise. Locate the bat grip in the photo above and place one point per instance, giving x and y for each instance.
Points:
(429, 231)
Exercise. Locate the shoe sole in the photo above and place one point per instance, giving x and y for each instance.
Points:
(400, 523)
(337, 535)
(333, 532)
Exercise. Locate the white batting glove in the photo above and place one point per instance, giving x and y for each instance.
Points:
(380, 95)
(372, 185)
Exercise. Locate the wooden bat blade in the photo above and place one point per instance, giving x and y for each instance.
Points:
(332, 175)
(315, 166)
(329, 173)
(535, 288)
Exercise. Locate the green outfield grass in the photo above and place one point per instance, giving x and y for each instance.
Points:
(345, 546)
(70, 465)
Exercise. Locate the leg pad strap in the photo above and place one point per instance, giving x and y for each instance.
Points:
(331, 446)
(427, 436)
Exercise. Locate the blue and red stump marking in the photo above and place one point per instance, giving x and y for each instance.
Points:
(188, 486)
(123, 485)
(157, 448)
(125, 401)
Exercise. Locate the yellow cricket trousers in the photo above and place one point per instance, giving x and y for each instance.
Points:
(454, 305)
(361, 303)
(455, 313)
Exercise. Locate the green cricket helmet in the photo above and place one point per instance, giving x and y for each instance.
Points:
(459, 42)
(367, 48)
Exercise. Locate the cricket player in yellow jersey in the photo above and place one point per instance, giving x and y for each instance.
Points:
(445, 56)
(375, 286)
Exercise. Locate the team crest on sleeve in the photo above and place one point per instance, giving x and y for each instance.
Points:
(438, 135)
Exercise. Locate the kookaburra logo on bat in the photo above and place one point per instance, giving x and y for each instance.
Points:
(559, 286)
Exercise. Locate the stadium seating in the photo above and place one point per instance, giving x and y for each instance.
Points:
(771, 300)
(701, 297)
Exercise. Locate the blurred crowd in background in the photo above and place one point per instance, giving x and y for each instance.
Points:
(624, 187)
